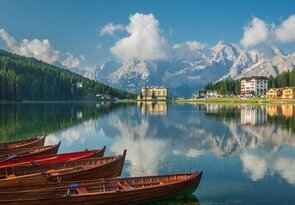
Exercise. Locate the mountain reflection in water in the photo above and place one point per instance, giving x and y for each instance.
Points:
(247, 152)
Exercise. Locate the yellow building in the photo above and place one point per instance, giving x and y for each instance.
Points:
(289, 93)
(274, 93)
(153, 93)
(281, 93)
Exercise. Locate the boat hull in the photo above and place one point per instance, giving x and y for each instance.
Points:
(33, 142)
(118, 197)
(54, 174)
(52, 158)
(29, 152)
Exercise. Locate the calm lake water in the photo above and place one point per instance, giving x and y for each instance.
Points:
(247, 152)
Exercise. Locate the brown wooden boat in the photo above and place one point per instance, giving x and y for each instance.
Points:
(83, 169)
(52, 158)
(32, 142)
(105, 192)
(29, 152)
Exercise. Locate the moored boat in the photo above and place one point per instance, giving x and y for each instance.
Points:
(29, 152)
(83, 169)
(32, 142)
(52, 158)
(108, 191)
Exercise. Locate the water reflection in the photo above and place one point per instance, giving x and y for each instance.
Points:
(253, 115)
(153, 108)
(153, 140)
(281, 110)
(253, 165)
(187, 199)
(245, 151)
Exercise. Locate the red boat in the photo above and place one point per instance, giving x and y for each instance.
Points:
(53, 158)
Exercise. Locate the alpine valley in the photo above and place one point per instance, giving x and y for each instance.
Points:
(188, 68)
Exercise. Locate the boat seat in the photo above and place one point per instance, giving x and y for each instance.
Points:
(124, 185)
(81, 190)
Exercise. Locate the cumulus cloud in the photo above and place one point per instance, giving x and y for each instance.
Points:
(9, 40)
(71, 61)
(40, 49)
(286, 31)
(111, 28)
(144, 42)
(257, 31)
(191, 45)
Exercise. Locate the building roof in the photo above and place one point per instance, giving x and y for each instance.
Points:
(158, 87)
(254, 77)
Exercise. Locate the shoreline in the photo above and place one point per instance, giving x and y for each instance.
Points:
(213, 100)
(222, 100)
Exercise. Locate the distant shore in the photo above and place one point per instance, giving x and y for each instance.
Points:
(215, 100)
(235, 100)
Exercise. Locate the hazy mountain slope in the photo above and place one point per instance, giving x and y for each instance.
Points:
(188, 70)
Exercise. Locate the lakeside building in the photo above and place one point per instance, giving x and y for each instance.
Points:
(281, 93)
(157, 93)
(254, 86)
(199, 94)
(212, 93)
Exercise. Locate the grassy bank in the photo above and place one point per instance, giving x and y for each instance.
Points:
(235, 100)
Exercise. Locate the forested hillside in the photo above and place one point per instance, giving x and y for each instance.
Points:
(23, 78)
(282, 80)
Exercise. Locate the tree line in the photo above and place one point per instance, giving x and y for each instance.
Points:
(285, 79)
(23, 78)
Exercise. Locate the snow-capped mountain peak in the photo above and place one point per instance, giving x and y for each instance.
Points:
(189, 70)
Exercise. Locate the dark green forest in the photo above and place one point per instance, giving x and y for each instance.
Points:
(23, 78)
(233, 86)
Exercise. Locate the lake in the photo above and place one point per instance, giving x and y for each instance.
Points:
(247, 152)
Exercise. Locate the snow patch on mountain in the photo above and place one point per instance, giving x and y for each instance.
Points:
(192, 65)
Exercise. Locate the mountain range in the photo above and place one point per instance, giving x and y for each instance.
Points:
(189, 69)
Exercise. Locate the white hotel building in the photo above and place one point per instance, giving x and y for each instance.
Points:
(256, 85)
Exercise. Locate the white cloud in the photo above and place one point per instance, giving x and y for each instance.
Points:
(111, 28)
(71, 61)
(191, 45)
(286, 31)
(257, 31)
(40, 49)
(9, 40)
(144, 41)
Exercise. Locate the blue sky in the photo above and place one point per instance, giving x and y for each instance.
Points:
(73, 27)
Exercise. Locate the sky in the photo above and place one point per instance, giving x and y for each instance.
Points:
(85, 33)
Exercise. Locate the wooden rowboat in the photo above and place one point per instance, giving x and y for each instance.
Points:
(53, 158)
(32, 142)
(29, 152)
(83, 169)
(108, 191)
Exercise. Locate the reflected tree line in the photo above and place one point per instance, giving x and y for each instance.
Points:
(282, 116)
(20, 121)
